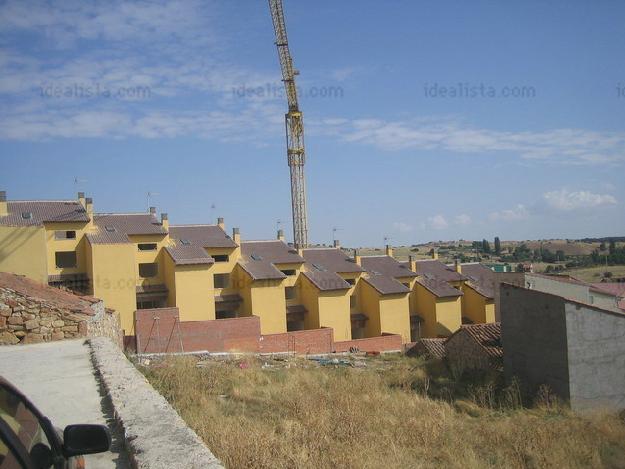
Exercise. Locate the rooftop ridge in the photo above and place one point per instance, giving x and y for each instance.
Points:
(30, 201)
(124, 214)
(198, 225)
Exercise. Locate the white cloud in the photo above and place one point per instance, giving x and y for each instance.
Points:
(573, 146)
(438, 222)
(519, 212)
(565, 200)
(462, 219)
(402, 227)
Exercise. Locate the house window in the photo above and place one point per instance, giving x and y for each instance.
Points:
(65, 259)
(290, 293)
(221, 280)
(289, 272)
(64, 235)
(353, 301)
(221, 257)
(148, 270)
(150, 304)
(147, 247)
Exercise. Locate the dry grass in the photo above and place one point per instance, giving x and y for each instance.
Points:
(381, 416)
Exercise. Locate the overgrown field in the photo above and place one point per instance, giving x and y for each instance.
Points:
(388, 413)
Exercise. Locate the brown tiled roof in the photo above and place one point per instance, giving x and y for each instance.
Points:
(112, 228)
(325, 280)
(435, 268)
(274, 251)
(189, 255)
(438, 287)
(435, 348)
(488, 336)
(385, 265)
(206, 236)
(332, 260)
(59, 298)
(612, 288)
(386, 285)
(260, 269)
(42, 211)
(480, 278)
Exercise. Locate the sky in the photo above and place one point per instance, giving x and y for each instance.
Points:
(424, 121)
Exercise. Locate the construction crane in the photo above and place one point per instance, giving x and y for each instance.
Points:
(294, 129)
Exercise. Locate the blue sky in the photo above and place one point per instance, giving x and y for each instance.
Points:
(424, 120)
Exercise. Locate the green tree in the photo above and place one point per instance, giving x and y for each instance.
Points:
(497, 245)
(602, 246)
(612, 248)
(560, 256)
(486, 246)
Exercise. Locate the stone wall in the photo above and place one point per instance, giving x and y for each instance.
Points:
(31, 312)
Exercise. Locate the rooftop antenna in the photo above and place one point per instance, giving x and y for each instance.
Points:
(212, 214)
(278, 224)
(334, 230)
(78, 182)
(149, 197)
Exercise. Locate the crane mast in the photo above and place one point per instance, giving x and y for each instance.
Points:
(294, 128)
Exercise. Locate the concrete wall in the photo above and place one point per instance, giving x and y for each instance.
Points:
(533, 335)
(511, 278)
(596, 346)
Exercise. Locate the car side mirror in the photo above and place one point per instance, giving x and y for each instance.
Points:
(85, 439)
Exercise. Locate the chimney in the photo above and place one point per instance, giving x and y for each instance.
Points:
(89, 205)
(165, 221)
(81, 198)
(220, 223)
(236, 235)
(153, 210)
(457, 266)
(434, 254)
(413, 263)
(3, 204)
(337, 244)
(300, 252)
(357, 258)
(281, 235)
(389, 250)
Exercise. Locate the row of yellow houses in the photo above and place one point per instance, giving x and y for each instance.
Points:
(137, 261)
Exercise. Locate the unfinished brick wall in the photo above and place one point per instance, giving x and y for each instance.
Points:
(384, 343)
(160, 331)
(302, 342)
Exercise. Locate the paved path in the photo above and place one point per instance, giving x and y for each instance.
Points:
(58, 377)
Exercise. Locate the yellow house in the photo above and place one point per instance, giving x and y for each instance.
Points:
(438, 307)
(478, 301)
(266, 279)
(334, 278)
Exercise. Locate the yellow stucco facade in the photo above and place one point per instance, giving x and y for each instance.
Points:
(476, 307)
(441, 316)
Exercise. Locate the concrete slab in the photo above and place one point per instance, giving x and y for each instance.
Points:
(59, 379)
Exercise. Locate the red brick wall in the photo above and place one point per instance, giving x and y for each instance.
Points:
(304, 342)
(169, 335)
(385, 343)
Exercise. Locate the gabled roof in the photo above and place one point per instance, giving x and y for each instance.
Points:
(260, 269)
(487, 336)
(332, 260)
(274, 251)
(386, 265)
(189, 254)
(439, 288)
(435, 268)
(38, 212)
(112, 228)
(386, 285)
(480, 278)
(434, 347)
(325, 280)
(206, 236)
(612, 288)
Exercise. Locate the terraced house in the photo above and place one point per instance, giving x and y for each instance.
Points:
(137, 261)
